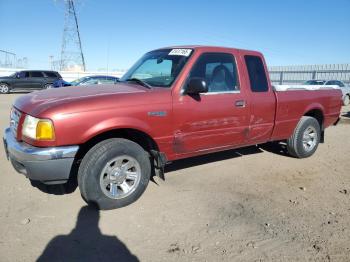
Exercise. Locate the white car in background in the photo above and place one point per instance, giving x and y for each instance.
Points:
(344, 88)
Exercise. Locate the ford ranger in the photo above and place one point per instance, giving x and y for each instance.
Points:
(174, 103)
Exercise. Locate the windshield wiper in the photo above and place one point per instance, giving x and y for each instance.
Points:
(139, 81)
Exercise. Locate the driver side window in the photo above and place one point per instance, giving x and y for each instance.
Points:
(218, 70)
(23, 74)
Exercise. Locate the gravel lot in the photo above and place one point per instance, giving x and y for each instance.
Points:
(252, 204)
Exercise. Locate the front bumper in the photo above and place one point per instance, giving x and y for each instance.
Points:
(50, 165)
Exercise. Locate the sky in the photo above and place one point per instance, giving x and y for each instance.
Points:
(116, 33)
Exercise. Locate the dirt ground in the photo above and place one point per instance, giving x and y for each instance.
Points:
(252, 204)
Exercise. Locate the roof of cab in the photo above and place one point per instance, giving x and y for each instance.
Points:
(206, 47)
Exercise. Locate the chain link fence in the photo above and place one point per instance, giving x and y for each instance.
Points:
(300, 74)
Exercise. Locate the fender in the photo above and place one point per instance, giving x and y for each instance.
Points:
(114, 124)
(314, 106)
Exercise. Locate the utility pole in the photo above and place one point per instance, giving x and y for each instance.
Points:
(71, 53)
(10, 59)
(51, 62)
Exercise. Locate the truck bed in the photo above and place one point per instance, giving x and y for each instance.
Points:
(295, 102)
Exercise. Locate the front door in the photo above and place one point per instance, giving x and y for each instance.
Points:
(217, 119)
(22, 81)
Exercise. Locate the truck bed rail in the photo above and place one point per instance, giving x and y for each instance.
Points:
(281, 88)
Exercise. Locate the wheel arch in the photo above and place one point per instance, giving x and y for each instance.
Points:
(318, 114)
(132, 134)
(6, 83)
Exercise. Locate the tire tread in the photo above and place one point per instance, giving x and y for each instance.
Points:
(293, 143)
(92, 156)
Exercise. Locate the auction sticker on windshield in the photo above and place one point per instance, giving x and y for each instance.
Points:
(183, 52)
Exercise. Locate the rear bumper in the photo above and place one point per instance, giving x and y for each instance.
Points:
(50, 165)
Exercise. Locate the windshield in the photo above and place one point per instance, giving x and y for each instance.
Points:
(158, 68)
(79, 80)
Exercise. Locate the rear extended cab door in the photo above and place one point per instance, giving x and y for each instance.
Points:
(262, 97)
(50, 77)
(36, 79)
(215, 120)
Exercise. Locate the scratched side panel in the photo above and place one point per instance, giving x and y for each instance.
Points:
(210, 122)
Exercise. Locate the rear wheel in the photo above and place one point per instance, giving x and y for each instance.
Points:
(4, 88)
(305, 139)
(48, 86)
(346, 100)
(114, 173)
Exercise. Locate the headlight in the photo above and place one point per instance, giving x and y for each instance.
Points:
(38, 129)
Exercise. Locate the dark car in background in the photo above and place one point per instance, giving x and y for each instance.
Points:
(28, 80)
(87, 80)
(315, 82)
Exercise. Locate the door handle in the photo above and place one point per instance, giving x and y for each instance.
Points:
(240, 103)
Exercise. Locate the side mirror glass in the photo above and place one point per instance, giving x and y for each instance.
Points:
(196, 85)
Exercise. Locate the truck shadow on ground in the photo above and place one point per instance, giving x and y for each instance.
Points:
(272, 147)
(61, 189)
(347, 115)
(86, 243)
(345, 118)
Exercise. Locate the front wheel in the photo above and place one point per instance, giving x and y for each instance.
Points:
(114, 173)
(4, 88)
(305, 139)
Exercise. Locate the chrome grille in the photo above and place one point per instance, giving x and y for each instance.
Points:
(14, 120)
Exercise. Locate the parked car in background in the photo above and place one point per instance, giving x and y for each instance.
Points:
(315, 82)
(28, 80)
(344, 88)
(87, 80)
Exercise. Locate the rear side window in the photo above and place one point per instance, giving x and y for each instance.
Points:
(36, 74)
(51, 74)
(257, 76)
(340, 84)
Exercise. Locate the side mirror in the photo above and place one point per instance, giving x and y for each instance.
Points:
(17, 76)
(195, 86)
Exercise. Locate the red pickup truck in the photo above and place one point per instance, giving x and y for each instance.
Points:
(174, 103)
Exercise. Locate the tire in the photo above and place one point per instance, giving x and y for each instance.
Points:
(48, 86)
(4, 88)
(346, 100)
(105, 183)
(305, 139)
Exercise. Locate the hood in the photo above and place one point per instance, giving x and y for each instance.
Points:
(4, 77)
(67, 97)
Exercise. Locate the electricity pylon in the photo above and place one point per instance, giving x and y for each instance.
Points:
(72, 56)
